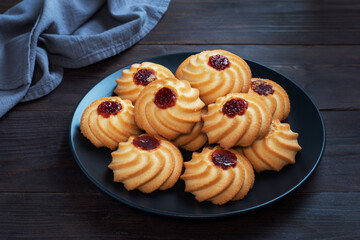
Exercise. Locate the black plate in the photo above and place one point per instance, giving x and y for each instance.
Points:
(269, 186)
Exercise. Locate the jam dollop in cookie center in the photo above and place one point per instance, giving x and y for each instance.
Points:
(144, 76)
(165, 98)
(108, 108)
(219, 62)
(223, 158)
(146, 142)
(262, 87)
(235, 106)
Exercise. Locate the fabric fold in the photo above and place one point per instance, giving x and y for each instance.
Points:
(39, 38)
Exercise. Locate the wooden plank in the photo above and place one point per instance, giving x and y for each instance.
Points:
(318, 70)
(44, 194)
(244, 22)
(97, 216)
(258, 22)
(35, 155)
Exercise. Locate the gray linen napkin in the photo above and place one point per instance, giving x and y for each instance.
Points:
(46, 36)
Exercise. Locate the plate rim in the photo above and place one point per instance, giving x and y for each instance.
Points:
(183, 215)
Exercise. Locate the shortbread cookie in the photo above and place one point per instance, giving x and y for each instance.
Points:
(218, 175)
(215, 73)
(146, 163)
(194, 140)
(276, 98)
(108, 121)
(277, 149)
(133, 80)
(237, 119)
(168, 108)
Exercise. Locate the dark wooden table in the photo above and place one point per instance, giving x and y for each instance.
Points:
(44, 194)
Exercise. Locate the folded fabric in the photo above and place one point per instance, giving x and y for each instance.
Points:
(39, 38)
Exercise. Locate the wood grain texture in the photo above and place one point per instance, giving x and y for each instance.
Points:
(97, 216)
(254, 22)
(316, 44)
(258, 22)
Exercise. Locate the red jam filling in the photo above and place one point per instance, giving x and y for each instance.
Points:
(262, 87)
(107, 108)
(165, 98)
(235, 106)
(223, 158)
(219, 62)
(144, 76)
(146, 142)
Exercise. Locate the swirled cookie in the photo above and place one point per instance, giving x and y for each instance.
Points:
(237, 119)
(133, 80)
(146, 163)
(168, 108)
(275, 97)
(108, 121)
(218, 175)
(215, 73)
(194, 140)
(277, 149)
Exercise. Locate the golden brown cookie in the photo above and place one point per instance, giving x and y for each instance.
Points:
(133, 80)
(108, 121)
(237, 119)
(215, 73)
(194, 140)
(168, 108)
(277, 149)
(276, 98)
(218, 175)
(146, 163)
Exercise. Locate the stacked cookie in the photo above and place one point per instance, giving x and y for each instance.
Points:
(212, 100)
